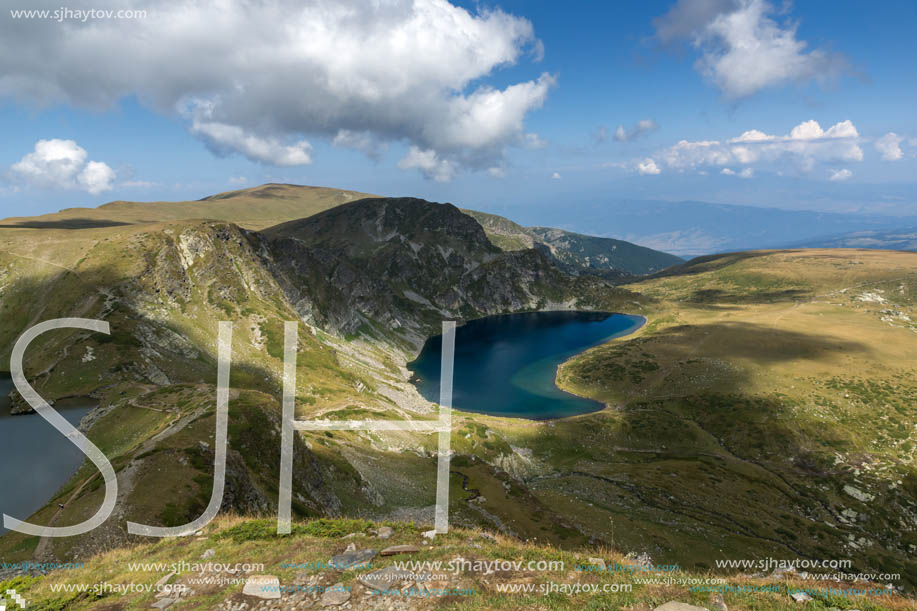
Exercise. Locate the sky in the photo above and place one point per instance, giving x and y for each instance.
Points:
(516, 105)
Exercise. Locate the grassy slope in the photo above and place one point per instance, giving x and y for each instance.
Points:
(156, 283)
(748, 383)
(235, 540)
(763, 384)
(137, 278)
(502, 232)
(253, 208)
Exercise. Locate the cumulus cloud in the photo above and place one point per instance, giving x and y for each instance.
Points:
(429, 164)
(641, 128)
(805, 145)
(648, 166)
(63, 164)
(889, 146)
(237, 181)
(556, 175)
(840, 175)
(743, 47)
(224, 139)
(274, 74)
(362, 141)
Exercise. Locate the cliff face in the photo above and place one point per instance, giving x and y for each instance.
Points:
(387, 270)
(403, 265)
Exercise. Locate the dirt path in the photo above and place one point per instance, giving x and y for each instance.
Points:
(125, 476)
(43, 549)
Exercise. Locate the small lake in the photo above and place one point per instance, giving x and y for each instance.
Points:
(36, 459)
(507, 365)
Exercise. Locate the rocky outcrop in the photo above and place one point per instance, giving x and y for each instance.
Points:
(19, 406)
(402, 265)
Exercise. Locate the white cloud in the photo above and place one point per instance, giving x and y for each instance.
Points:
(648, 166)
(743, 48)
(642, 127)
(273, 74)
(555, 176)
(745, 173)
(840, 175)
(889, 146)
(688, 155)
(806, 145)
(96, 177)
(224, 139)
(63, 164)
(429, 164)
(237, 181)
(362, 141)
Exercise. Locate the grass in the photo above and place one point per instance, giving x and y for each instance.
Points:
(237, 540)
(763, 384)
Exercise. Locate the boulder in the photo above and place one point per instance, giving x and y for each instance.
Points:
(385, 532)
(335, 595)
(266, 587)
(352, 558)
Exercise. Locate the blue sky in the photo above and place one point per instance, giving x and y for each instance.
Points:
(505, 106)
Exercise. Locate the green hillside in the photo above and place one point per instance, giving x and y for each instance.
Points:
(766, 410)
(574, 579)
(606, 257)
(252, 208)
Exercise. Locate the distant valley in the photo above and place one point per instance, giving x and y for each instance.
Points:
(690, 228)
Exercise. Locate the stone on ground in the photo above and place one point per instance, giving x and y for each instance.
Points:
(266, 587)
(352, 558)
(335, 595)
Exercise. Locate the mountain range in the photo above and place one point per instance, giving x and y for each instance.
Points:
(766, 408)
(692, 228)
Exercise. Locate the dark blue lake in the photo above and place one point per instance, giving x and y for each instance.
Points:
(37, 459)
(506, 365)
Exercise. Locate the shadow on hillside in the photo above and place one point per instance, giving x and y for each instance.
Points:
(137, 353)
(65, 224)
(717, 296)
(709, 263)
(763, 344)
(703, 465)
